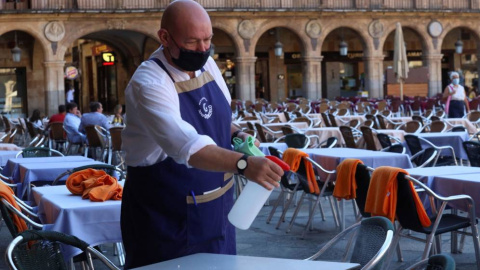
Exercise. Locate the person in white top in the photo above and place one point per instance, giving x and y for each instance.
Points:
(178, 148)
(456, 97)
(70, 97)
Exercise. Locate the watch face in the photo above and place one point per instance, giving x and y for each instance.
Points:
(242, 164)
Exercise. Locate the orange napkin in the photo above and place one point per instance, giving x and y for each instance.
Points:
(95, 185)
(382, 195)
(346, 184)
(7, 193)
(293, 158)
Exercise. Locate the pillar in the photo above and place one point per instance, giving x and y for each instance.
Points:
(312, 76)
(434, 64)
(54, 86)
(374, 77)
(245, 77)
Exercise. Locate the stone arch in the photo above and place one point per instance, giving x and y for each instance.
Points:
(471, 29)
(293, 26)
(427, 47)
(356, 29)
(32, 31)
(228, 30)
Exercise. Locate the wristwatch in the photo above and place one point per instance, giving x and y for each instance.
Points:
(242, 164)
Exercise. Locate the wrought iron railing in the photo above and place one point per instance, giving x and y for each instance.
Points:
(229, 5)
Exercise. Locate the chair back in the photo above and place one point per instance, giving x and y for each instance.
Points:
(261, 133)
(406, 209)
(412, 126)
(116, 136)
(326, 121)
(368, 137)
(474, 116)
(94, 138)
(7, 124)
(32, 131)
(362, 178)
(458, 128)
(381, 121)
(343, 111)
(438, 126)
(441, 262)
(354, 123)
(297, 140)
(56, 131)
(419, 119)
(435, 118)
(368, 123)
(287, 130)
(373, 118)
(330, 142)
(396, 148)
(333, 121)
(425, 158)
(384, 140)
(323, 107)
(473, 152)
(413, 143)
(109, 169)
(30, 152)
(381, 105)
(303, 119)
(287, 116)
(347, 135)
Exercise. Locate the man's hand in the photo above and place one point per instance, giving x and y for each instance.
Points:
(244, 136)
(263, 172)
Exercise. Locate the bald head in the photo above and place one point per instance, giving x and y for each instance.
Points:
(184, 13)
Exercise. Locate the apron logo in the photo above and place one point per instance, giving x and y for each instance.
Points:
(205, 109)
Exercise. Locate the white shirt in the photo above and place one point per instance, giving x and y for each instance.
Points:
(70, 97)
(459, 94)
(155, 128)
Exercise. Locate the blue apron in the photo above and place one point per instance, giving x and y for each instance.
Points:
(165, 213)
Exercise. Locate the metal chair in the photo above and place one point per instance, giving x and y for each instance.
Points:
(333, 120)
(408, 220)
(368, 137)
(329, 143)
(411, 127)
(473, 152)
(263, 132)
(326, 120)
(57, 136)
(373, 239)
(38, 152)
(437, 126)
(41, 250)
(414, 143)
(109, 169)
(348, 136)
(436, 262)
(98, 138)
(116, 142)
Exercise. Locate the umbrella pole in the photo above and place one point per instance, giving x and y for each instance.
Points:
(401, 90)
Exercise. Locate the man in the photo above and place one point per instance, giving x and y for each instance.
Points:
(177, 142)
(72, 122)
(60, 116)
(94, 117)
(70, 97)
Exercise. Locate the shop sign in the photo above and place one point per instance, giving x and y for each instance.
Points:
(71, 73)
(97, 50)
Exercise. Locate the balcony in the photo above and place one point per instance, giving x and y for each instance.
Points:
(71, 6)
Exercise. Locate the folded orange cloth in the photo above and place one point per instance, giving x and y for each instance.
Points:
(7, 193)
(346, 184)
(382, 195)
(293, 158)
(95, 185)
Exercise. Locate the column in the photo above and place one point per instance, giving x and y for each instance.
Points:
(312, 76)
(374, 76)
(434, 63)
(54, 86)
(245, 77)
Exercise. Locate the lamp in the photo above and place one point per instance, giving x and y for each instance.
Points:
(212, 49)
(16, 52)
(459, 46)
(343, 46)
(278, 48)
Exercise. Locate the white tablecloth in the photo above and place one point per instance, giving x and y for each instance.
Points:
(462, 122)
(280, 146)
(93, 222)
(278, 126)
(31, 172)
(326, 132)
(9, 147)
(454, 139)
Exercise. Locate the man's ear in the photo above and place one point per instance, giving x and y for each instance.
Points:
(163, 36)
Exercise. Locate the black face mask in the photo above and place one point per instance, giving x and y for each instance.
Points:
(189, 60)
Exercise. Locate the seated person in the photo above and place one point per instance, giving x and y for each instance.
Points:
(60, 116)
(117, 118)
(72, 122)
(36, 120)
(94, 117)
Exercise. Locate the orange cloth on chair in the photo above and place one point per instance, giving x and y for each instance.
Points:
(346, 184)
(293, 158)
(95, 185)
(382, 195)
(7, 193)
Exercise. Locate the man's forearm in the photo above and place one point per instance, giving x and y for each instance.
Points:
(214, 158)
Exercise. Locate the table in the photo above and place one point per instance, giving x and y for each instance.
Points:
(201, 261)
(31, 172)
(454, 139)
(94, 222)
(462, 122)
(12, 167)
(343, 120)
(278, 126)
(9, 147)
(243, 124)
(427, 174)
(5, 156)
(326, 132)
(280, 146)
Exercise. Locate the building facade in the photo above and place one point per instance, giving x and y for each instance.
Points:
(95, 46)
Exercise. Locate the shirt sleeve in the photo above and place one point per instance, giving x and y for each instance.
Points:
(158, 106)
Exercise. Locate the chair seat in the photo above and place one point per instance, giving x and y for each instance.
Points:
(448, 223)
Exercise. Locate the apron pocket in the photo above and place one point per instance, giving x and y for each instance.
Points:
(205, 221)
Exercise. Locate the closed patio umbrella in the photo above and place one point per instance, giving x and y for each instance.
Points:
(400, 62)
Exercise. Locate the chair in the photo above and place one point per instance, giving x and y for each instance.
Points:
(32, 131)
(395, 148)
(10, 136)
(354, 123)
(368, 123)
(98, 138)
(373, 240)
(329, 143)
(57, 135)
(438, 126)
(326, 121)
(343, 112)
(303, 119)
(473, 152)
(436, 262)
(71, 144)
(368, 137)
(407, 217)
(386, 140)
(373, 118)
(458, 128)
(30, 152)
(116, 139)
(333, 121)
(41, 250)
(7, 124)
(348, 136)
(411, 127)
(414, 143)
(109, 169)
(420, 119)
